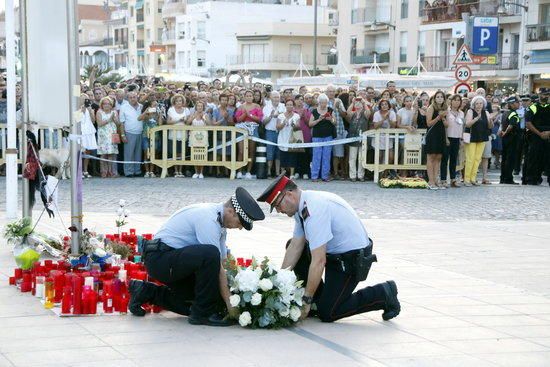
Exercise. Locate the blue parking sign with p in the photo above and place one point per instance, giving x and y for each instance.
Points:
(485, 36)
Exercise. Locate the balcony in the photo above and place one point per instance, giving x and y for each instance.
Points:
(454, 12)
(278, 62)
(538, 33)
(333, 20)
(371, 14)
(139, 17)
(140, 44)
(173, 8)
(368, 56)
(169, 37)
(505, 61)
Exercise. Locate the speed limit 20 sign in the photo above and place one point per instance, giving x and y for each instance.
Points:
(463, 73)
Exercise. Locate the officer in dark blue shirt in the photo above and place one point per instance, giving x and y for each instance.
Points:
(509, 132)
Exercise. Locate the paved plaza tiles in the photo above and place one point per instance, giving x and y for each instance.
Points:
(472, 266)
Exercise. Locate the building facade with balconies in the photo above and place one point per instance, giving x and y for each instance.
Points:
(93, 33)
(118, 35)
(170, 10)
(396, 33)
(218, 36)
(536, 59)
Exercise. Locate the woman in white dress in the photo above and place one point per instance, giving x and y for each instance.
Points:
(199, 118)
(177, 115)
(107, 136)
(88, 141)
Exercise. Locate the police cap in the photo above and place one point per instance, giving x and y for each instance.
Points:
(512, 99)
(272, 193)
(525, 97)
(544, 91)
(534, 98)
(246, 208)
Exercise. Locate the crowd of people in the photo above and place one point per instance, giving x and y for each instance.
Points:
(498, 129)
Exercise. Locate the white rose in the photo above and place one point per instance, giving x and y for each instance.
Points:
(266, 285)
(285, 278)
(247, 280)
(122, 202)
(234, 300)
(295, 313)
(284, 312)
(256, 299)
(120, 212)
(245, 319)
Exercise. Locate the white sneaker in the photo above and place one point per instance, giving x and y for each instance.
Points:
(239, 175)
(296, 176)
(248, 176)
(196, 175)
(306, 177)
(201, 175)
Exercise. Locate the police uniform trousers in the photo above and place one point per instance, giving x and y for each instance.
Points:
(538, 159)
(509, 151)
(191, 278)
(334, 297)
(521, 150)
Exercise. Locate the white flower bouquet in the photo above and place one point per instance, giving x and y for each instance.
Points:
(266, 296)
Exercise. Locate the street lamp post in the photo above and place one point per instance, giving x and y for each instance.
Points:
(314, 37)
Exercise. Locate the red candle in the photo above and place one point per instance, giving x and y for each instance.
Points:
(77, 295)
(58, 283)
(48, 263)
(108, 296)
(12, 280)
(93, 302)
(123, 303)
(156, 309)
(248, 262)
(18, 273)
(66, 301)
(132, 231)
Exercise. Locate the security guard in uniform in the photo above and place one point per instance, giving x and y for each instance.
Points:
(187, 255)
(509, 132)
(329, 236)
(538, 123)
(521, 150)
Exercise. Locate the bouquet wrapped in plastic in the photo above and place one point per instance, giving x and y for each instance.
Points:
(266, 296)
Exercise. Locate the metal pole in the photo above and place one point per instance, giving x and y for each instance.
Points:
(74, 96)
(314, 37)
(11, 151)
(27, 210)
(521, 50)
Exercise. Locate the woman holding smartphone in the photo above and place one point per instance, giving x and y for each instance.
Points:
(323, 129)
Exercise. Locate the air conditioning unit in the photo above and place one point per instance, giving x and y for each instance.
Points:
(181, 35)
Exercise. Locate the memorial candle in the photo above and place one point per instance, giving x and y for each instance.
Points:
(77, 295)
(66, 301)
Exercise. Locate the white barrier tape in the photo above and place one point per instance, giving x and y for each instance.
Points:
(308, 145)
(111, 160)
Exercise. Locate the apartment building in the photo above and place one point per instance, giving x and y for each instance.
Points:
(171, 10)
(269, 39)
(396, 33)
(536, 58)
(93, 32)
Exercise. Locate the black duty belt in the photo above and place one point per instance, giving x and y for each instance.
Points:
(350, 255)
(155, 245)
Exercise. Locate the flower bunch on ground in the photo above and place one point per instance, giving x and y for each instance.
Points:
(266, 296)
(403, 183)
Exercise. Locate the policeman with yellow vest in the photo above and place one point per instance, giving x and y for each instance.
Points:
(330, 238)
(538, 122)
(509, 132)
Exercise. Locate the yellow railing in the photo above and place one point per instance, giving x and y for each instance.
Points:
(406, 150)
(48, 138)
(180, 145)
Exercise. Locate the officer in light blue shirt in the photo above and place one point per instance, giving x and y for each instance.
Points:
(329, 237)
(187, 254)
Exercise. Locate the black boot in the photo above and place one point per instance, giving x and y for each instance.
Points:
(392, 306)
(216, 319)
(140, 293)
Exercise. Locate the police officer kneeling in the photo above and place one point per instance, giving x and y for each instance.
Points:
(330, 237)
(187, 255)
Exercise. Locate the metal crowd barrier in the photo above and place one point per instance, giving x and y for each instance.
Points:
(48, 138)
(407, 150)
(180, 145)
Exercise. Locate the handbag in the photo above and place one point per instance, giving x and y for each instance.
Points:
(115, 138)
(466, 137)
(297, 137)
